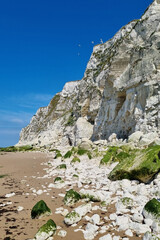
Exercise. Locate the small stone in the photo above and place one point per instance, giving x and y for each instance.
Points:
(95, 219)
(148, 221)
(137, 217)
(19, 209)
(10, 195)
(129, 233)
(62, 233)
(113, 216)
(106, 237)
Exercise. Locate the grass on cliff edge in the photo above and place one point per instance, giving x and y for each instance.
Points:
(140, 164)
(17, 149)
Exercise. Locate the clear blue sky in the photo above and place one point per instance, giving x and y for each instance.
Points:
(45, 43)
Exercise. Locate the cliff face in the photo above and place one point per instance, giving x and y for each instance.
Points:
(120, 90)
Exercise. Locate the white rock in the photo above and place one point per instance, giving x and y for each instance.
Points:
(20, 208)
(148, 221)
(62, 233)
(139, 228)
(116, 237)
(113, 216)
(112, 137)
(82, 210)
(90, 232)
(156, 226)
(137, 217)
(151, 236)
(10, 195)
(122, 222)
(129, 233)
(106, 237)
(39, 192)
(95, 219)
(135, 137)
(83, 129)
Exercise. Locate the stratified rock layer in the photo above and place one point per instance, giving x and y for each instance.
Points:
(120, 91)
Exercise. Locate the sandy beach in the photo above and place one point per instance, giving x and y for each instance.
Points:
(24, 176)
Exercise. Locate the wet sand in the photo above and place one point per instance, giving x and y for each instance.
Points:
(20, 169)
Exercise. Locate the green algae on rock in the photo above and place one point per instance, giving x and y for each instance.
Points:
(115, 154)
(71, 197)
(127, 201)
(58, 180)
(68, 154)
(72, 217)
(58, 155)
(75, 160)
(109, 156)
(152, 209)
(62, 166)
(141, 164)
(46, 231)
(90, 197)
(40, 210)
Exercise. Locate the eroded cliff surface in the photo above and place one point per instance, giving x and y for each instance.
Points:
(120, 90)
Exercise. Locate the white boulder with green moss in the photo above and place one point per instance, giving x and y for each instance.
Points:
(71, 197)
(46, 231)
(40, 210)
(124, 205)
(152, 210)
(72, 217)
(76, 215)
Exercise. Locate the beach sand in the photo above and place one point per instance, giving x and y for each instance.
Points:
(22, 171)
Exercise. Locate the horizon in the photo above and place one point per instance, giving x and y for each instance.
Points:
(46, 44)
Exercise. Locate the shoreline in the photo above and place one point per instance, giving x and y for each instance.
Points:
(28, 176)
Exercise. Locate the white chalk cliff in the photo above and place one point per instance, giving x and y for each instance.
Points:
(119, 93)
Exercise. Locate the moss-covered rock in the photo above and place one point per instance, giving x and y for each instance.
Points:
(46, 231)
(62, 166)
(115, 154)
(152, 209)
(75, 160)
(58, 155)
(109, 156)
(58, 180)
(126, 201)
(68, 154)
(40, 209)
(90, 195)
(81, 151)
(75, 176)
(72, 217)
(140, 165)
(71, 197)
